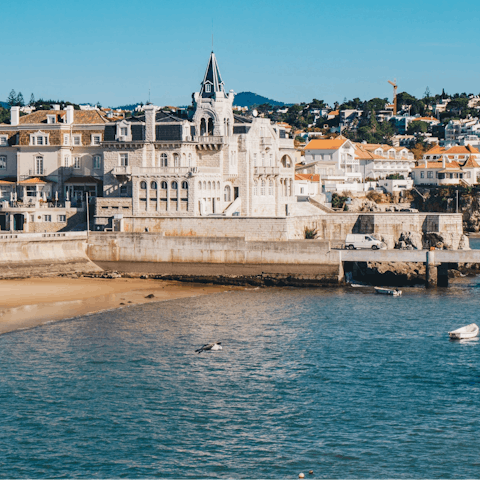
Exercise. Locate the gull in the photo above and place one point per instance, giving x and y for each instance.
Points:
(210, 347)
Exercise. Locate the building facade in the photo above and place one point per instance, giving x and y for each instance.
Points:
(208, 162)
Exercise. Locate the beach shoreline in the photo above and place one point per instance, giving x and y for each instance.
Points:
(31, 302)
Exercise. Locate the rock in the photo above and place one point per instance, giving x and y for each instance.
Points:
(150, 296)
(409, 238)
(395, 273)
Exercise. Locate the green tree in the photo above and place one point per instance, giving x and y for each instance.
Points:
(32, 99)
(12, 98)
(417, 126)
(20, 101)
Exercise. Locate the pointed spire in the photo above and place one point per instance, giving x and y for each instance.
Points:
(212, 81)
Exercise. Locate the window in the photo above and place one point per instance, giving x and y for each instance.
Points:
(255, 189)
(124, 131)
(413, 174)
(164, 185)
(39, 166)
(262, 189)
(153, 185)
(47, 218)
(32, 218)
(39, 141)
(66, 161)
(227, 193)
(163, 160)
(422, 174)
(185, 185)
(77, 140)
(62, 218)
(271, 160)
(208, 88)
(3, 141)
(199, 185)
(3, 162)
(189, 159)
(143, 185)
(176, 160)
(270, 188)
(124, 191)
(255, 160)
(51, 119)
(96, 139)
(97, 162)
(76, 162)
(66, 139)
(174, 185)
(124, 159)
(31, 190)
(429, 174)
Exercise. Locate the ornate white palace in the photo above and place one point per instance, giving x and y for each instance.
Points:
(207, 161)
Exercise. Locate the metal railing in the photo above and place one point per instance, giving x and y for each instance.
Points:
(122, 170)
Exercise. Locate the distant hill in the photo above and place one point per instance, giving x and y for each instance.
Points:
(248, 99)
(131, 107)
(4, 105)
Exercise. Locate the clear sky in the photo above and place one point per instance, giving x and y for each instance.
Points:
(111, 51)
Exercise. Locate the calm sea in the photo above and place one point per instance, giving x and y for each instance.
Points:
(343, 382)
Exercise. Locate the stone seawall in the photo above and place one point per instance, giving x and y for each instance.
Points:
(37, 254)
(192, 258)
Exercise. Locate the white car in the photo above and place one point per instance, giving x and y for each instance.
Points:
(354, 241)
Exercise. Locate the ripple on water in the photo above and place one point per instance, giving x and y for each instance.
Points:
(344, 384)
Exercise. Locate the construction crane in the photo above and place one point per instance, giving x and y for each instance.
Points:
(394, 84)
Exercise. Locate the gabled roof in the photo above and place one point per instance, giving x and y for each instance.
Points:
(457, 150)
(80, 117)
(326, 144)
(213, 78)
(311, 177)
(32, 181)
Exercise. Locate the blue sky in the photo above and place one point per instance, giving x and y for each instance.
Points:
(112, 51)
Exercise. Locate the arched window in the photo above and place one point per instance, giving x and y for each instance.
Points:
(143, 185)
(164, 185)
(199, 185)
(263, 160)
(153, 185)
(209, 185)
(185, 185)
(176, 160)
(164, 160)
(255, 164)
(262, 189)
(227, 193)
(218, 185)
(271, 160)
(213, 185)
(184, 160)
(210, 126)
(174, 186)
(286, 162)
(203, 127)
(270, 188)
(289, 186)
(204, 185)
(255, 189)
(190, 160)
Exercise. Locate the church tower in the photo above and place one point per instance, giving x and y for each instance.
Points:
(213, 107)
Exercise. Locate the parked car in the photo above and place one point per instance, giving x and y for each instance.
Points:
(354, 241)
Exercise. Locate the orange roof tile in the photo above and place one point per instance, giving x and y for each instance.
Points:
(450, 165)
(425, 119)
(326, 144)
(80, 117)
(4, 182)
(34, 180)
(334, 112)
(311, 177)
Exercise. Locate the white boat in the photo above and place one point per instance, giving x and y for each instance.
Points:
(470, 331)
(388, 291)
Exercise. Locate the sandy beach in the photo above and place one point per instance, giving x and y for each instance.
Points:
(32, 302)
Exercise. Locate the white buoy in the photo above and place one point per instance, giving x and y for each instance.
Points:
(301, 475)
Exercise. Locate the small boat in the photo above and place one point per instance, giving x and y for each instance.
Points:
(470, 331)
(388, 291)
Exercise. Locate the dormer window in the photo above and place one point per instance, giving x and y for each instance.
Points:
(123, 131)
(3, 141)
(51, 119)
(96, 139)
(77, 140)
(208, 88)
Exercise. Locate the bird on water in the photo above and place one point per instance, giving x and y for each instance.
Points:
(210, 347)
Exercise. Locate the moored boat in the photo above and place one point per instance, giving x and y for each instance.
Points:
(388, 291)
(470, 331)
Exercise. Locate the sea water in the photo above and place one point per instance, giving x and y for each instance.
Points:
(343, 382)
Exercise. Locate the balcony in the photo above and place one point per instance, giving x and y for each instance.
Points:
(164, 170)
(266, 141)
(266, 170)
(122, 170)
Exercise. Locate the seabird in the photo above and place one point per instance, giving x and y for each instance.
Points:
(210, 346)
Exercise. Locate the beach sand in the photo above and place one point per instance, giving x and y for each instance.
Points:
(32, 302)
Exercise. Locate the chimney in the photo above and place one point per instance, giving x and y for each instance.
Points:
(149, 123)
(15, 115)
(69, 114)
(443, 161)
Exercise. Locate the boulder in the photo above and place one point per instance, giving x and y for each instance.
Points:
(412, 239)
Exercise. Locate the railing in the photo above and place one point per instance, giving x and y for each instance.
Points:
(122, 170)
(266, 170)
(209, 140)
(40, 236)
(163, 170)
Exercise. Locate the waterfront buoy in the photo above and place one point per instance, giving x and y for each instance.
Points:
(301, 475)
(310, 472)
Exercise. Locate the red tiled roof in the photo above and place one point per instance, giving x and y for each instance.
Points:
(80, 117)
(34, 181)
(311, 177)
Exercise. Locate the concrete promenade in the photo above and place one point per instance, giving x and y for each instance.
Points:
(418, 256)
